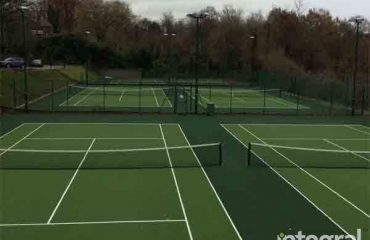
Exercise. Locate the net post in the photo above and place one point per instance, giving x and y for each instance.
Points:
(249, 154)
(14, 95)
(220, 154)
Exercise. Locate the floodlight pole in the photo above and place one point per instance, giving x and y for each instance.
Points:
(25, 56)
(87, 33)
(169, 51)
(358, 21)
(198, 17)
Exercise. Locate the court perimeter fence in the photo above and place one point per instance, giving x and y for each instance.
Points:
(266, 93)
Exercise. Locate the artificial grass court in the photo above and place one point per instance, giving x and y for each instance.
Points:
(111, 96)
(260, 203)
(118, 96)
(74, 181)
(329, 165)
(224, 98)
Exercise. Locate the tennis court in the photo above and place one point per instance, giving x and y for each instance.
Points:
(240, 98)
(122, 181)
(328, 165)
(118, 96)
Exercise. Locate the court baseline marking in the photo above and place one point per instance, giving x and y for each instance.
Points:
(87, 223)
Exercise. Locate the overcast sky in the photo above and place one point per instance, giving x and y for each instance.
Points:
(154, 8)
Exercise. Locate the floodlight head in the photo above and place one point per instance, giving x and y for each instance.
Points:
(165, 34)
(191, 15)
(23, 8)
(252, 37)
(108, 77)
(87, 32)
(357, 19)
(173, 34)
(204, 14)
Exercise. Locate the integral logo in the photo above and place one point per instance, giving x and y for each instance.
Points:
(301, 236)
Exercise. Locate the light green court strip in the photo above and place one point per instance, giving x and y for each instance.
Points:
(342, 195)
(178, 203)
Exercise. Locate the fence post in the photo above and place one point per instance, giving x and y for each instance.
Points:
(264, 99)
(52, 95)
(67, 94)
(249, 154)
(140, 102)
(175, 100)
(14, 94)
(231, 98)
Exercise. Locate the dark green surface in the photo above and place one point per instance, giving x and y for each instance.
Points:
(259, 202)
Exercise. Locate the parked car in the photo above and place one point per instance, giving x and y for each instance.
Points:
(12, 62)
(36, 63)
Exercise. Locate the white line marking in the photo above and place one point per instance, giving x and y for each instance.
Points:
(95, 123)
(168, 100)
(107, 150)
(10, 148)
(358, 130)
(70, 182)
(309, 174)
(90, 223)
(175, 180)
(122, 94)
(41, 97)
(316, 139)
(286, 180)
(210, 183)
(309, 149)
(14, 129)
(297, 124)
(47, 138)
(345, 149)
(155, 97)
(84, 98)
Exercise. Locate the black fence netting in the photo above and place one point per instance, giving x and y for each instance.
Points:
(266, 93)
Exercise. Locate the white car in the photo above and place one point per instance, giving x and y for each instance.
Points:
(36, 63)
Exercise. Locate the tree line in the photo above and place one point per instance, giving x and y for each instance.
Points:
(290, 41)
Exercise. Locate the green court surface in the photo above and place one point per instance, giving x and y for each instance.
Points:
(80, 181)
(118, 96)
(328, 165)
(247, 99)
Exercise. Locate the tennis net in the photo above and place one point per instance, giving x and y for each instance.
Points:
(239, 93)
(206, 155)
(298, 157)
(121, 91)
